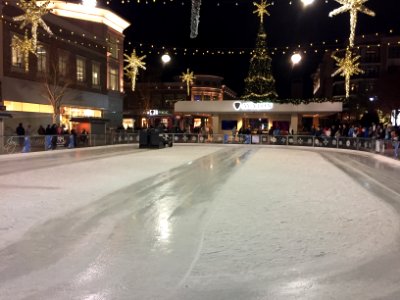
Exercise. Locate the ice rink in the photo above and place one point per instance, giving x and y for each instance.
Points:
(199, 222)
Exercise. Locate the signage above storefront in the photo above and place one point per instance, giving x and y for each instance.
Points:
(152, 112)
(251, 106)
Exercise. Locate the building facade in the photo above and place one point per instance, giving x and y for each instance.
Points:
(84, 56)
(152, 103)
(225, 116)
(380, 61)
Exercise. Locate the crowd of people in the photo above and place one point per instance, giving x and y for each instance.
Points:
(54, 135)
(376, 131)
(70, 139)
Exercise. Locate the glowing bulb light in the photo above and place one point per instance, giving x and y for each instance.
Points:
(89, 3)
(166, 58)
(307, 2)
(296, 58)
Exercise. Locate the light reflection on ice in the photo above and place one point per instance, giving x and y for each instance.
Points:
(163, 227)
(298, 286)
(92, 272)
(97, 296)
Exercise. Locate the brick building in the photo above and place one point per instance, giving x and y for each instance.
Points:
(86, 53)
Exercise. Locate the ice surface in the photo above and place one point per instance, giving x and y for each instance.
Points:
(199, 222)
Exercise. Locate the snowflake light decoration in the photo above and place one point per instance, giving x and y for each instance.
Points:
(188, 77)
(352, 6)
(261, 10)
(348, 66)
(132, 68)
(25, 46)
(33, 16)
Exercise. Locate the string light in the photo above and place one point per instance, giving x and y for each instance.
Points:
(237, 3)
(317, 47)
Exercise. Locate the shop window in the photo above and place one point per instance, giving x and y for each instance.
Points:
(113, 46)
(17, 58)
(80, 69)
(394, 52)
(371, 56)
(62, 63)
(113, 79)
(41, 55)
(96, 74)
(228, 124)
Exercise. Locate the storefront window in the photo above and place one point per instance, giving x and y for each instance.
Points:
(28, 107)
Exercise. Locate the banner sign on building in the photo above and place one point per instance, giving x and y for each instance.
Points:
(251, 106)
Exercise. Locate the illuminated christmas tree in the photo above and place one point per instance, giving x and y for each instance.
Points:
(260, 83)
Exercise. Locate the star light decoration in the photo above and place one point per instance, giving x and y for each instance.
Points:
(188, 77)
(195, 18)
(24, 45)
(132, 68)
(348, 66)
(33, 16)
(261, 10)
(352, 6)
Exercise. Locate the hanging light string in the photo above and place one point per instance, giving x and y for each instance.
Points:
(319, 47)
(217, 3)
(92, 41)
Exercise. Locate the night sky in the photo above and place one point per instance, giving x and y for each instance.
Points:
(233, 26)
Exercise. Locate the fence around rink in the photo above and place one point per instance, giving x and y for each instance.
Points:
(16, 144)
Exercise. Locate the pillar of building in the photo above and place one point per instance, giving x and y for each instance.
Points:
(294, 122)
(215, 124)
(1, 135)
(315, 121)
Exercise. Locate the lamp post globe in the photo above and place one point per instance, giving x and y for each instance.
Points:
(296, 58)
(307, 2)
(166, 58)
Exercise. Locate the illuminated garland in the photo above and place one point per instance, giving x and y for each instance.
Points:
(298, 101)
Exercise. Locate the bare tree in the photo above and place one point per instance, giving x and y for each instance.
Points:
(145, 93)
(56, 87)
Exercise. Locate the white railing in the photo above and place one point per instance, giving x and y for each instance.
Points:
(17, 144)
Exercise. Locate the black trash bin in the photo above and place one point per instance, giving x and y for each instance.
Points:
(144, 139)
(154, 138)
